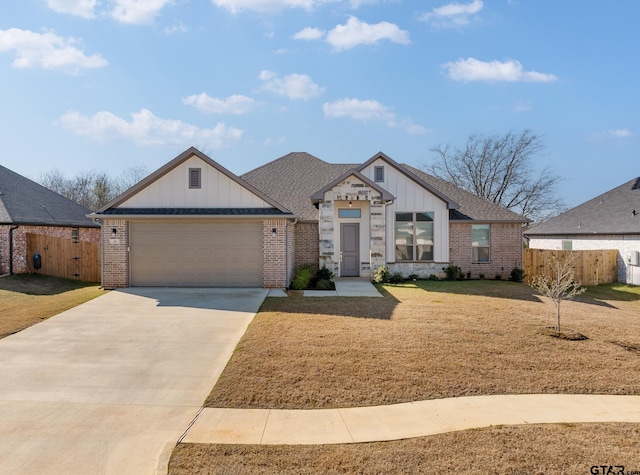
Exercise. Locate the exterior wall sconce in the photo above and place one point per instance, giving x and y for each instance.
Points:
(350, 204)
(274, 231)
(114, 231)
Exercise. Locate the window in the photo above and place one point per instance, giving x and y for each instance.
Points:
(349, 213)
(567, 245)
(480, 239)
(74, 235)
(378, 174)
(414, 236)
(195, 177)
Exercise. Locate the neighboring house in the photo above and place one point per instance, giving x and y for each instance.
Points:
(608, 221)
(194, 223)
(27, 207)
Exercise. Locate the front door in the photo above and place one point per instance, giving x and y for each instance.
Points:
(349, 249)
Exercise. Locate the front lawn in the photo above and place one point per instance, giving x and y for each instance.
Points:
(428, 340)
(26, 299)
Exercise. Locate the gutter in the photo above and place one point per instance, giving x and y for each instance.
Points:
(11, 230)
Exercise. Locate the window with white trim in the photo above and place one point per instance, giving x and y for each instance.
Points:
(414, 236)
(480, 242)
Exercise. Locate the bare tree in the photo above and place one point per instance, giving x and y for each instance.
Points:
(90, 188)
(499, 169)
(561, 285)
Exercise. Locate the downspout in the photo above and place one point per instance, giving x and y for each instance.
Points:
(11, 230)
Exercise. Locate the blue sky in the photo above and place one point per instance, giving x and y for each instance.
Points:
(110, 84)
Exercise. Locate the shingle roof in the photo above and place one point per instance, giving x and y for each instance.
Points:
(472, 207)
(609, 213)
(293, 178)
(23, 201)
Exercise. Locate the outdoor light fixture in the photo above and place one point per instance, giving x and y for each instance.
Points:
(274, 231)
(114, 231)
(350, 203)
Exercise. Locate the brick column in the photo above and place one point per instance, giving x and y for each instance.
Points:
(274, 253)
(115, 254)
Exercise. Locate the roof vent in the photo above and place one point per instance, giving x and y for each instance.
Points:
(636, 185)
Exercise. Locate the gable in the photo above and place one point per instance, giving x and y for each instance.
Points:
(410, 195)
(217, 190)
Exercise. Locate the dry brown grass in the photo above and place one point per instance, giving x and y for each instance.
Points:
(431, 340)
(28, 299)
(536, 449)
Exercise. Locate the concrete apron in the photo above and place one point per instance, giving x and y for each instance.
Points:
(111, 385)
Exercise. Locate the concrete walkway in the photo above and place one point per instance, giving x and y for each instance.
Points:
(401, 421)
(345, 287)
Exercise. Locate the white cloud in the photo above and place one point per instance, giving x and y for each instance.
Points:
(236, 104)
(47, 51)
(177, 27)
(81, 8)
(610, 134)
(369, 110)
(309, 33)
(293, 86)
(137, 11)
(146, 129)
(235, 6)
(453, 14)
(356, 32)
(511, 71)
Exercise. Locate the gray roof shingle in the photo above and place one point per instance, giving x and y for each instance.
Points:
(293, 178)
(23, 201)
(609, 213)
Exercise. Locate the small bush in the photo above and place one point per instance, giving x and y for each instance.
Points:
(381, 275)
(433, 277)
(302, 277)
(481, 276)
(498, 276)
(468, 275)
(453, 272)
(325, 274)
(517, 275)
(414, 277)
(396, 278)
(324, 284)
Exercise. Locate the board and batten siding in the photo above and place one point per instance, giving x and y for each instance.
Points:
(411, 197)
(172, 191)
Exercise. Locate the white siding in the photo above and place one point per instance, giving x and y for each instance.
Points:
(412, 197)
(172, 191)
(624, 244)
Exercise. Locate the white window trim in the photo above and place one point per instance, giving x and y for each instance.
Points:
(488, 246)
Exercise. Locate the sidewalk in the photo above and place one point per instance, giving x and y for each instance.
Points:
(402, 421)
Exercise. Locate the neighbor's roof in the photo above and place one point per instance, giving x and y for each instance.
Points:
(292, 179)
(615, 212)
(23, 201)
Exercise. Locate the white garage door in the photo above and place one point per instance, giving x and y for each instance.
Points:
(196, 254)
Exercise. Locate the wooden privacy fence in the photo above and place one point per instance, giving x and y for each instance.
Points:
(591, 267)
(65, 258)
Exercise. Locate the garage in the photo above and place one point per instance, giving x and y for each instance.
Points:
(196, 254)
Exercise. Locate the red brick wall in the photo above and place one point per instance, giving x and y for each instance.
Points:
(115, 256)
(274, 253)
(307, 249)
(20, 257)
(505, 250)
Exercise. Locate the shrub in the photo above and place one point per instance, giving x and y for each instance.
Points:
(302, 277)
(414, 277)
(324, 284)
(380, 275)
(468, 275)
(325, 274)
(453, 272)
(480, 276)
(498, 276)
(396, 278)
(433, 277)
(517, 275)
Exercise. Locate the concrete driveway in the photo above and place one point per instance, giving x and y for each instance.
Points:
(110, 386)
